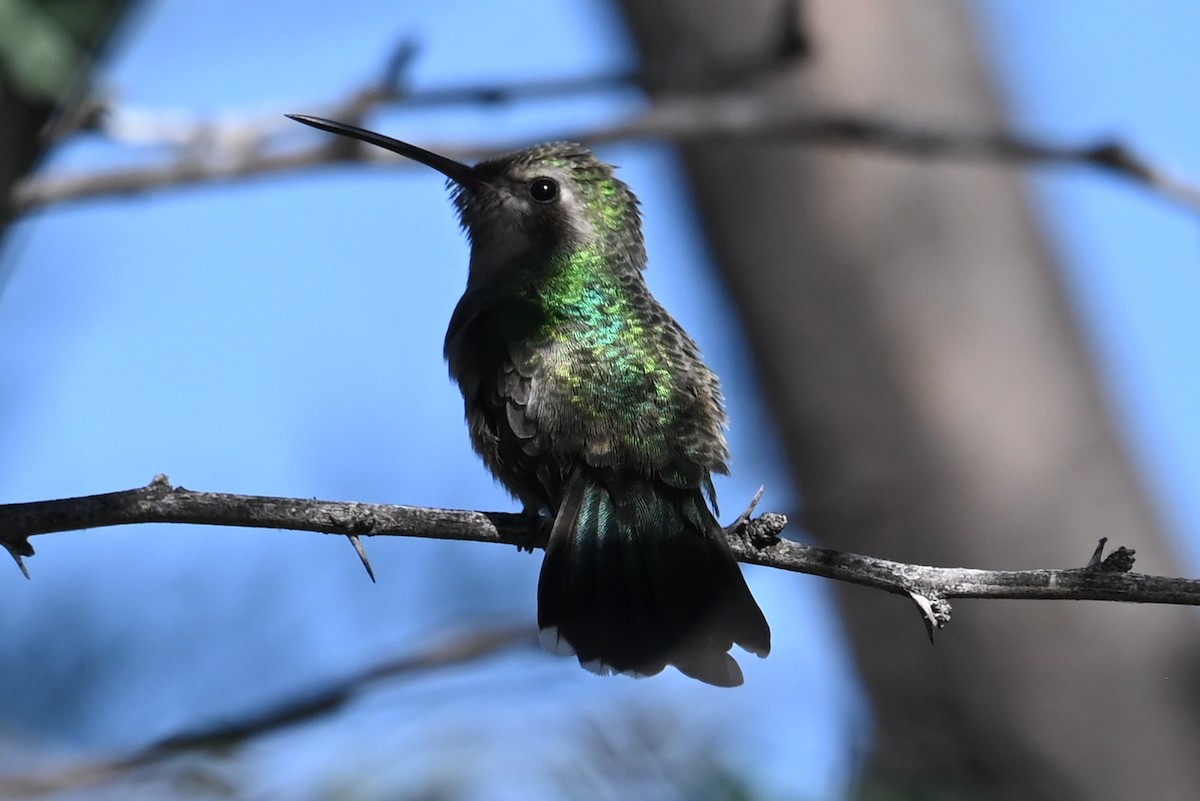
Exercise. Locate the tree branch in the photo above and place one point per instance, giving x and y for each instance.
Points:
(460, 649)
(754, 540)
(212, 152)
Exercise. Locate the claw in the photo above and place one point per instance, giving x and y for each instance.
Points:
(537, 530)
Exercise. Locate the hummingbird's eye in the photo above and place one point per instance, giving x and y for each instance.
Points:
(543, 190)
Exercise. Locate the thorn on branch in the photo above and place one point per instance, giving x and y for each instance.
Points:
(1119, 561)
(935, 611)
(744, 517)
(360, 522)
(362, 554)
(761, 532)
(18, 549)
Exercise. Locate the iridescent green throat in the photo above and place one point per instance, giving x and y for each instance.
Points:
(617, 368)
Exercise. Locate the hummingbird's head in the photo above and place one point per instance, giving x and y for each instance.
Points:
(547, 201)
(524, 210)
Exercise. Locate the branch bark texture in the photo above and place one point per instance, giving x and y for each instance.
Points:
(754, 540)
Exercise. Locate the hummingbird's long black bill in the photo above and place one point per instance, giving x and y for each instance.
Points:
(456, 171)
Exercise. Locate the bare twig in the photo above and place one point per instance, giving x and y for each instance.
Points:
(750, 117)
(210, 152)
(464, 648)
(755, 541)
(216, 151)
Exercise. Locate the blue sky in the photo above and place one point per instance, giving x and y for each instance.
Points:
(283, 336)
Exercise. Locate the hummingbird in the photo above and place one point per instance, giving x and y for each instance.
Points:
(593, 407)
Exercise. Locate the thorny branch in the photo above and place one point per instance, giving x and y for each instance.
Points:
(207, 151)
(755, 540)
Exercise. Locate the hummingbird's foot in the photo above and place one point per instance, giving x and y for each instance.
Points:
(537, 530)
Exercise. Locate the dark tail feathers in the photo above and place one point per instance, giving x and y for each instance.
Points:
(638, 575)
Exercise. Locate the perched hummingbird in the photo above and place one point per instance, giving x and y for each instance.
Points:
(588, 401)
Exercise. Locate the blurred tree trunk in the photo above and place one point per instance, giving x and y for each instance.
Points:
(937, 405)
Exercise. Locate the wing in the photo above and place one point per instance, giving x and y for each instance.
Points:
(496, 385)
